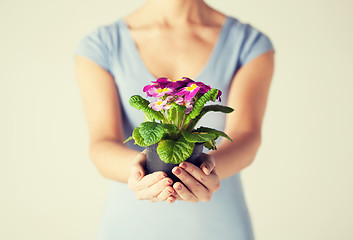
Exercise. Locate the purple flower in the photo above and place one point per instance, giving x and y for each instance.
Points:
(203, 87)
(189, 91)
(166, 82)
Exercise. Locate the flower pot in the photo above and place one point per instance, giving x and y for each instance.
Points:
(154, 163)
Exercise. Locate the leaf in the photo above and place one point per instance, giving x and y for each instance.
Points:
(210, 145)
(140, 103)
(153, 132)
(209, 108)
(175, 152)
(197, 137)
(172, 113)
(211, 94)
(138, 138)
(213, 131)
(128, 139)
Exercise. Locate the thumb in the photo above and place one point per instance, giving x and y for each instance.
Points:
(208, 163)
(137, 167)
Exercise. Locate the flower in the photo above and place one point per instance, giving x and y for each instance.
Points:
(147, 88)
(159, 91)
(166, 82)
(203, 87)
(159, 104)
(188, 104)
(189, 91)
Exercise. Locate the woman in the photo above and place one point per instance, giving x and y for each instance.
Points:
(172, 39)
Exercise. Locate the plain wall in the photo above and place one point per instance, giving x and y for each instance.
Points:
(298, 187)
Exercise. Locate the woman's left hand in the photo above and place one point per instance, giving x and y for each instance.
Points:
(198, 184)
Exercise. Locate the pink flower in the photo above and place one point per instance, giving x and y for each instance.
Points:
(158, 105)
(189, 91)
(147, 88)
(188, 104)
(159, 92)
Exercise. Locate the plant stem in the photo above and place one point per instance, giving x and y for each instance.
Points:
(182, 122)
(165, 117)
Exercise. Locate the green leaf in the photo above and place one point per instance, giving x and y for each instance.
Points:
(209, 108)
(197, 137)
(128, 139)
(175, 151)
(138, 138)
(153, 132)
(140, 103)
(213, 131)
(210, 145)
(211, 94)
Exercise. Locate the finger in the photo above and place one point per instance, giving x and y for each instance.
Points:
(208, 164)
(194, 186)
(151, 179)
(153, 191)
(184, 193)
(171, 199)
(166, 192)
(197, 173)
(137, 166)
(177, 197)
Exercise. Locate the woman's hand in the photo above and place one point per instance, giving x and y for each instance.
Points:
(198, 184)
(153, 187)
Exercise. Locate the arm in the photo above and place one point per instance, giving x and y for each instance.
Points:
(248, 96)
(102, 109)
(115, 161)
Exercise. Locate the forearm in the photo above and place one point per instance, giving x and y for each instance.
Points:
(112, 159)
(232, 157)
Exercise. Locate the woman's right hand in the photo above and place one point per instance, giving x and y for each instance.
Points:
(153, 187)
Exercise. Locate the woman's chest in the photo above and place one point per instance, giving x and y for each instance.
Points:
(175, 54)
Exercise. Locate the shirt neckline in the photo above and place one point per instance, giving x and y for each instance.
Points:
(211, 58)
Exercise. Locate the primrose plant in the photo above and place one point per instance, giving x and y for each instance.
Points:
(170, 119)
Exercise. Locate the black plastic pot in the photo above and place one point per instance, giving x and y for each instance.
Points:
(154, 163)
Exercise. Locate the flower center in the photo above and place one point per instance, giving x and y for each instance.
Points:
(161, 90)
(192, 87)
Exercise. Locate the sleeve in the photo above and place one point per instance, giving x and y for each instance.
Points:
(95, 46)
(256, 43)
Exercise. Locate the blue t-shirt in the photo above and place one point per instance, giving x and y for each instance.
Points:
(226, 216)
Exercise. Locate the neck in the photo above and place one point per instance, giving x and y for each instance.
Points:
(176, 12)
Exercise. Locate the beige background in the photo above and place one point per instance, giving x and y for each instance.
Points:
(300, 185)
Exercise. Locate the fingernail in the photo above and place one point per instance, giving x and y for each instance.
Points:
(162, 176)
(170, 191)
(178, 187)
(167, 182)
(177, 171)
(183, 165)
(138, 175)
(207, 169)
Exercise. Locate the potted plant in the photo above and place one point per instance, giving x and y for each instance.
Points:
(169, 131)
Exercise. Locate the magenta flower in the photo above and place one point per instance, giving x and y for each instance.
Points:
(147, 88)
(166, 82)
(203, 87)
(189, 91)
